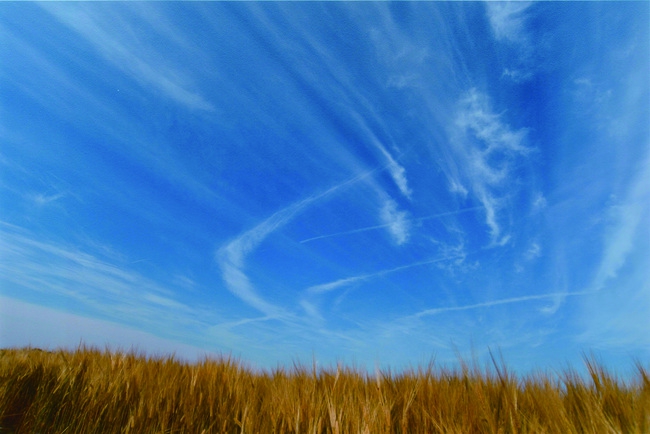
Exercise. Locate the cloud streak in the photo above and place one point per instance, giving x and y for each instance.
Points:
(56, 271)
(626, 220)
(123, 54)
(48, 328)
(397, 172)
(231, 257)
(436, 311)
(330, 286)
(383, 226)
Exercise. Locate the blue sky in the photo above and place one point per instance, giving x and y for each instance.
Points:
(370, 183)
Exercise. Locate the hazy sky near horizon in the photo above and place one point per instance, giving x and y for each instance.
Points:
(363, 182)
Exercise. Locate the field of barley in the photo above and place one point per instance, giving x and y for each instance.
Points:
(93, 391)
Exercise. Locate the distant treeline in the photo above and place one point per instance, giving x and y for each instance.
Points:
(93, 391)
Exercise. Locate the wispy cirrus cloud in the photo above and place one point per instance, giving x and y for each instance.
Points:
(508, 23)
(48, 328)
(74, 84)
(57, 271)
(397, 172)
(507, 19)
(517, 75)
(616, 317)
(231, 259)
(110, 38)
(477, 115)
(395, 169)
(486, 147)
(41, 199)
(533, 252)
(626, 221)
(396, 222)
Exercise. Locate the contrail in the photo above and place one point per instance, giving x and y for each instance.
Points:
(499, 302)
(371, 228)
(326, 287)
(231, 256)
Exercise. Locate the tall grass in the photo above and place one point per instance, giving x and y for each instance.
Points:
(92, 391)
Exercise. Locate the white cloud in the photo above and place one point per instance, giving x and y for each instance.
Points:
(533, 252)
(43, 199)
(485, 149)
(477, 116)
(622, 236)
(402, 81)
(36, 260)
(164, 301)
(508, 23)
(231, 256)
(456, 187)
(507, 19)
(396, 221)
(141, 63)
(617, 315)
(557, 302)
(331, 286)
(397, 172)
(490, 204)
(61, 273)
(311, 310)
(517, 75)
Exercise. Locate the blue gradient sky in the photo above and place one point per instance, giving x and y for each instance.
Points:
(371, 183)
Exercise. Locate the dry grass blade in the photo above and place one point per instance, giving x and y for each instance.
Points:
(93, 391)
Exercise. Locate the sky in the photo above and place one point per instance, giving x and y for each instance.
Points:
(369, 183)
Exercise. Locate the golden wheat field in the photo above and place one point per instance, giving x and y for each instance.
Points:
(93, 391)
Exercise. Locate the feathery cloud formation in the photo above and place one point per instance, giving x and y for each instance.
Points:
(487, 147)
